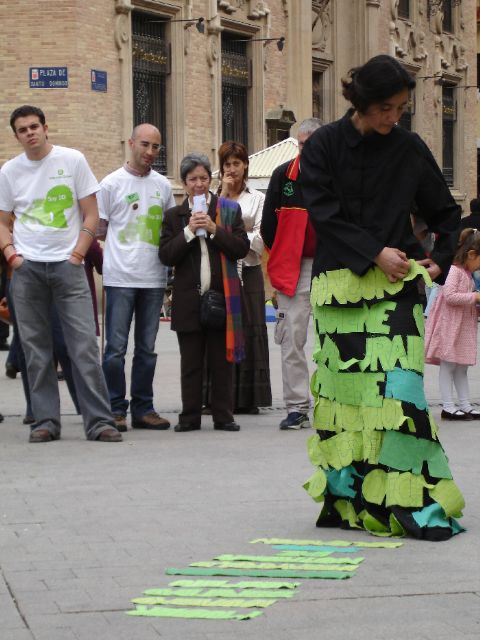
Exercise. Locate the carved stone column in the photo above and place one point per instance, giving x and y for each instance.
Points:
(214, 29)
(298, 48)
(123, 41)
(372, 15)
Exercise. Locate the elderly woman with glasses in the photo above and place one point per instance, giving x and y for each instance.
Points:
(203, 244)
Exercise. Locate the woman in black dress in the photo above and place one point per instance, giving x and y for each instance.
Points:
(379, 463)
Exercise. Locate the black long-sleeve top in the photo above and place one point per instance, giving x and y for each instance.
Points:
(359, 191)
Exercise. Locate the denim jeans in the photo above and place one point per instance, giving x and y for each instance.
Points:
(122, 304)
(35, 287)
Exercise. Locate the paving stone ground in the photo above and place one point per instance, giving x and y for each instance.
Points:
(85, 527)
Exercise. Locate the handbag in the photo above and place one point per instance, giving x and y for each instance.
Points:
(212, 310)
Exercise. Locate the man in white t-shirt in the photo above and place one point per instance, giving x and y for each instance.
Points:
(51, 192)
(132, 201)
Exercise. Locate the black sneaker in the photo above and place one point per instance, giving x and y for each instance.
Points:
(295, 420)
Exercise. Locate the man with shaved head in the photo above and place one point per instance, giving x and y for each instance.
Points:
(132, 201)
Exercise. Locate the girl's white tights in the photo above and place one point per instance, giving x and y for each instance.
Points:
(451, 374)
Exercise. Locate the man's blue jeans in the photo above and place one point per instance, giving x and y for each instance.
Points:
(122, 304)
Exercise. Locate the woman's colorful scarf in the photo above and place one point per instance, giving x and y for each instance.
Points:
(235, 352)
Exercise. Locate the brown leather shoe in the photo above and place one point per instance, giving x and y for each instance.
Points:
(150, 421)
(120, 422)
(41, 435)
(110, 435)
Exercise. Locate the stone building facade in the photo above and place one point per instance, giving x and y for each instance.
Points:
(206, 70)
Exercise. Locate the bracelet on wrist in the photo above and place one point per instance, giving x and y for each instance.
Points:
(9, 244)
(89, 231)
(77, 255)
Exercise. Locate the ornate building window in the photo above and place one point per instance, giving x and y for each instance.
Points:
(407, 116)
(236, 81)
(449, 116)
(318, 110)
(150, 67)
(447, 10)
(404, 9)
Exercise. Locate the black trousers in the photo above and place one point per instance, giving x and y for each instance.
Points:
(194, 346)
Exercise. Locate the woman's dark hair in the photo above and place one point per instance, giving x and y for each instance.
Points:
(469, 240)
(475, 205)
(24, 111)
(377, 80)
(231, 149)
(191, 161)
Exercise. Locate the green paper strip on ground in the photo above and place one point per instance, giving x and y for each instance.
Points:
(220, 593)
(291, 557)
(220, 584)
(404, 453)
(330, 543)
(258, 573)
(274, 565)
(345, 286)
(206, 602)
(168, 612)
(312, 550)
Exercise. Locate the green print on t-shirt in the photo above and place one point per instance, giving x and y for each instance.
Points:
(144, 228)
(51, 211)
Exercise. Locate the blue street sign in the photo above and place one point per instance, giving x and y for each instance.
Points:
(48, 78)
(98, 80)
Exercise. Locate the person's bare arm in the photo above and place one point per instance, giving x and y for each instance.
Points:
(89, 208)
(6, 238)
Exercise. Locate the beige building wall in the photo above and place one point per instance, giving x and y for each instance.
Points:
(326, 36)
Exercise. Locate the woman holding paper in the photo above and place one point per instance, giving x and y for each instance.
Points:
(380, 465)
(202, 239)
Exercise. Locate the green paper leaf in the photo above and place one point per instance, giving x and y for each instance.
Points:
(316, 484)
(403, 452)
(402, 489)
(345, 286)
(347, 513)
(419, 319)
(449, 497)
(348, 388)
(363, 319)
(383, 354)
(333, 416)
(406, 386)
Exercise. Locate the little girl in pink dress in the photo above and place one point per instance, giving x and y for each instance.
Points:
(451, 329)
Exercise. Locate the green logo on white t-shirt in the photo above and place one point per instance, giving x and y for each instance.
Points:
(144, 228)
(50, 212)
(132, 197)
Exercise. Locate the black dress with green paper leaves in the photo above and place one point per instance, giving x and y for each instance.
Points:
(379, 463)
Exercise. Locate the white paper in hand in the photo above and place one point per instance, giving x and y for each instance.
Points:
(200, 204)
